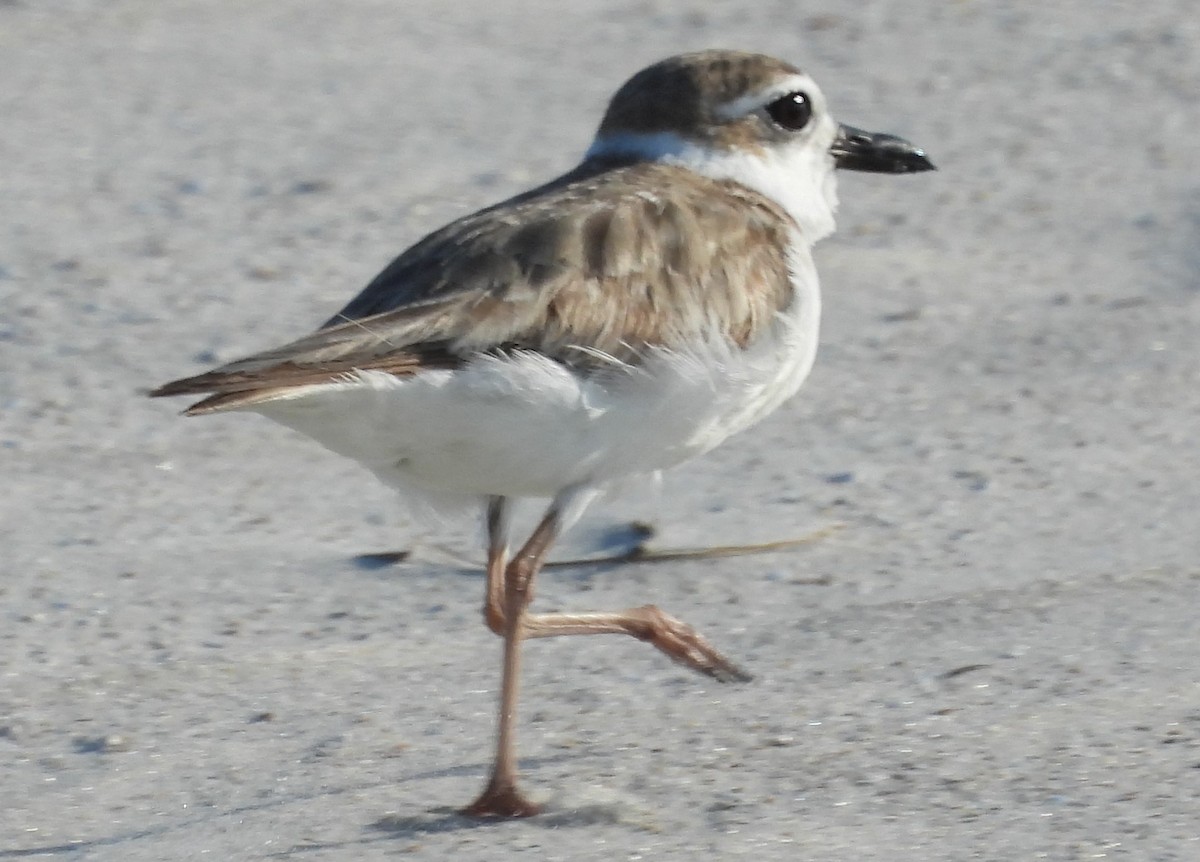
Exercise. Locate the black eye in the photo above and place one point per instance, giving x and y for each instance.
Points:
(792, 111)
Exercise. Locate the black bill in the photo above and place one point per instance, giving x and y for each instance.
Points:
(856, 150)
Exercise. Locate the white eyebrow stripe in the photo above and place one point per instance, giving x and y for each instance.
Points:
(743, 105)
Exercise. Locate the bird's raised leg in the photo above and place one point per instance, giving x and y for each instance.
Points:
(674, 637)
(501, 797)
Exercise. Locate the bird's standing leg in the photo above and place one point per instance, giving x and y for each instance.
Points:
(497, 558)
(501, 798)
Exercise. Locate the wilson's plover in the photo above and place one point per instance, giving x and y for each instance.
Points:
(618, 320)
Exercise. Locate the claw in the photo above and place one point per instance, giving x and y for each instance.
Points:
(683, 644)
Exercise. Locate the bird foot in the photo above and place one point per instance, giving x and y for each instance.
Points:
(501, 799)
(685, 645)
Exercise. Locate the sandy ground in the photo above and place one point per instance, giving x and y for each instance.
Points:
(996, 657)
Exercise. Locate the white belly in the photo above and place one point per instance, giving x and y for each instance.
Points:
(524, 425)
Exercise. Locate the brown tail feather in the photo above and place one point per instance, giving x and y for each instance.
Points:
(238, 388)
(233, 400)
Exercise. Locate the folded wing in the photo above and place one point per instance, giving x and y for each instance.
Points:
(593, 268)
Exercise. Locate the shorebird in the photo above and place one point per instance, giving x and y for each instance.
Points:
(618, 320)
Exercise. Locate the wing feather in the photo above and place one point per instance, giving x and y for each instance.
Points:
(601, 263)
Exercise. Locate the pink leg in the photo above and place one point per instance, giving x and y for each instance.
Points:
(501, 797)
(674, 637)
(509, 591)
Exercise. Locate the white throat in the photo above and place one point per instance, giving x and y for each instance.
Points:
(800, 178)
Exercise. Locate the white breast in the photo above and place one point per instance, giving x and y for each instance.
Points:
(524, 425)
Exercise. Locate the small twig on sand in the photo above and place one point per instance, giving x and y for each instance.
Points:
(639, 553)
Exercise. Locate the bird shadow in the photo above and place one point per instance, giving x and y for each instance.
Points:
(390, 827)
(619, 545)
(607, 546)
(439, 820)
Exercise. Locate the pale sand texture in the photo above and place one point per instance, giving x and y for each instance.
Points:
(1004, 416)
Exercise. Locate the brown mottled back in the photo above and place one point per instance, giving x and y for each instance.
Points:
(605, 262)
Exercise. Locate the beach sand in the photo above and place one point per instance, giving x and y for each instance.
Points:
(993, 657)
